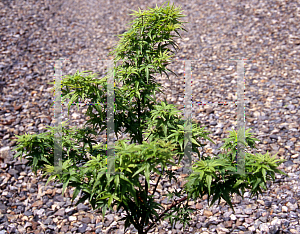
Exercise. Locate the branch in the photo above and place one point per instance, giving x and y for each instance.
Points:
(156, 185)
(146, 187)
(175, 203)
(146, 190)
(148, 136)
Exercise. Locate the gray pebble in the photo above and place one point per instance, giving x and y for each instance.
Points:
(82, 228)
(82, 207)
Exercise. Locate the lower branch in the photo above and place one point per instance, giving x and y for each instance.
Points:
(175, 203)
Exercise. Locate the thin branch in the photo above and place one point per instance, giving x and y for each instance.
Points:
(148, 136)
(146, 187)
(156, 185)
(146, 190)
(175, 203)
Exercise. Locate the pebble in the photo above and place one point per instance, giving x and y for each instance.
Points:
(36, 31)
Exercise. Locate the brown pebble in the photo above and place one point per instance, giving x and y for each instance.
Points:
(18, 107)
(37, 203)
(207, 213)
(228, 224)
(199, 206)
(34, 225)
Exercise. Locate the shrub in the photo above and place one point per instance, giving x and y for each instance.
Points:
(156, 137)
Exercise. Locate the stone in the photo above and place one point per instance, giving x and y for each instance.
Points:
(82, 228)
(72, 218)
(178, 225)
(98, 231)
(209, 110)
(5, 154)
(233, 217)
(28, 213)
(268, 204)
(64, 228)
(39, 212)
(3, 208)
(228, 224)
(70, 211)
(27, 224)
(248, 211)
(60, 212)
(82, 207)
(264, 227)
(291, 206)
(276, 222)
(3, 218)
(274, 137)
(207, 213)
(249, 220)
(199, 206)
(13, 172)
(48, 221)
(109, 217)
(38, 204)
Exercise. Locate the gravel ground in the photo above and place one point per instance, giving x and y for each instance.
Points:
(35, 33)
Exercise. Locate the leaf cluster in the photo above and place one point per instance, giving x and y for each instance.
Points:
(214, 176)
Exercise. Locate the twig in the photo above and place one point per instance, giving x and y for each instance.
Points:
(175, 203)
(156, 185)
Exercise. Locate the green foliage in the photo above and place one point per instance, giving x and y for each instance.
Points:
(205, 180)
(166, 122)
(145, 49)
(156, 136)
(39, 148)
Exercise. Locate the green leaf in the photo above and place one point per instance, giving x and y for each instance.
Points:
(147, 74)
(104, 210)
(65, 185)
(76, 192)
(138, 171)
(117, 181)
(149, 34)
(208, 181)
(105, 197)
(238, 183)
(264, 174)
(258, 180)
(110, 200)
(125, 178)
(195, 142)
(50, 178)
